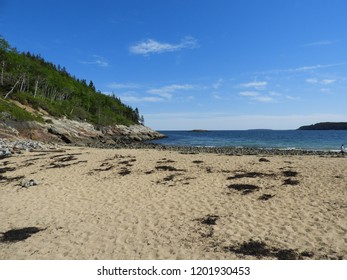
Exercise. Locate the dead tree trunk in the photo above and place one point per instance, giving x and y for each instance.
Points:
(22, 85)
(36, 86)
(2, 73)
(12, 89)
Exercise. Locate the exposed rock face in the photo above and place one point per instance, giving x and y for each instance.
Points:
(134, 132)
(75, 132)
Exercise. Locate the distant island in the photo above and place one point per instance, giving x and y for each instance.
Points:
(199, 130)
(259, 129)
(325, 126)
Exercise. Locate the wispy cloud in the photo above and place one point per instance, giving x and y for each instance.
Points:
(123, 85)
(217, 96)
(325, 90)
(167, 91)
(321, 82)
(320, 43)
(97, 60)
(263, 99)
(293, 98)
(301, 68)
(307, 68)
(256, 96)
(135, 99)
(327, 81)
(256, 85)
(249, 93)
(218, 83)
(151, 46)
(312, 81)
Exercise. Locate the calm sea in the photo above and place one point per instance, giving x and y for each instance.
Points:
(282, 139)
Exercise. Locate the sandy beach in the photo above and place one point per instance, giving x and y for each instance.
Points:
(147, 204)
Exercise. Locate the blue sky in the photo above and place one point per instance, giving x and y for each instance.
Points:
(186, 64)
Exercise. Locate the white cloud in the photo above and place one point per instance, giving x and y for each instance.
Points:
(289, 97)
(264, 99)
(167, 91)
(171, 88)
(151, 46)
(327, 82)
(274, 93)
(218, 84)
(256, 85)
(322, 82)
(325, 90)
(123, 86)
(256, 96)
(312, 81)
(320, 43)
(308, 68)
(98, 61)
(135, 99)
(249, 93)
(215, 95)
(132, 92)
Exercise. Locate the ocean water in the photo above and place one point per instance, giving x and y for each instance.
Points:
(267, 139)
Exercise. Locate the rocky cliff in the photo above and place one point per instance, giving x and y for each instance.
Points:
(74, 132)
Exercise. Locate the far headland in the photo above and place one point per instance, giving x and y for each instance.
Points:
(325, 126)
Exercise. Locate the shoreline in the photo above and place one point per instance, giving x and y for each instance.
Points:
(226, 150)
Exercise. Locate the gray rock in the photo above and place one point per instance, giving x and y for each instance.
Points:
(26, 183)
(5, 152)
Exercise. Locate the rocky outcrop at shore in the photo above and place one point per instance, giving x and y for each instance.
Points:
(75, 132)
(132, 133)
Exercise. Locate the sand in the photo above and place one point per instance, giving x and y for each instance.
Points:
(148, 204)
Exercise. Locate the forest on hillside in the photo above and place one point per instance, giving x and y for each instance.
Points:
(31, 80)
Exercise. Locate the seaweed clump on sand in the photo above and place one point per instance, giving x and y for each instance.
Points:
(209, 220)
(290, 181)
(290, 173)
(15, 235)
(250, 175)
(260, 249)
(6, 179)
(263, 160)
(124, 171)
(244, 188)
(265, 196)
(168, 168)
(251, 248)
(197, 161)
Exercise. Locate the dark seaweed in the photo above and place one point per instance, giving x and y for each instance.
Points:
(15, 235)
(250, 175)
(290, 182)
(266, 196)
(244, 188)
(168, 168)
(290, 173)
(209, 220)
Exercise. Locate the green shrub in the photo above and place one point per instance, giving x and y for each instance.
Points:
(18, 113)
